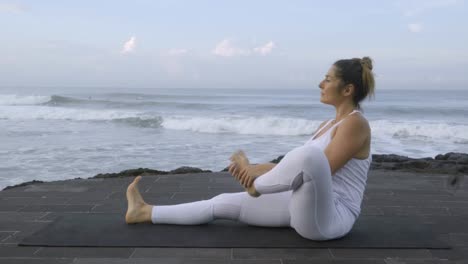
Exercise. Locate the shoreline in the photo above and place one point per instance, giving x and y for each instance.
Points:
(451, 163)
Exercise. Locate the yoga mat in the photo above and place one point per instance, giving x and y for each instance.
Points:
(110, 230)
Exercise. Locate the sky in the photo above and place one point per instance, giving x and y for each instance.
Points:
(415, 44)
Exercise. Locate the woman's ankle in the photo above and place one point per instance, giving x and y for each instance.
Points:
(148, 212)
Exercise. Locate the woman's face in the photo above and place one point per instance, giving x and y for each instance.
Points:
(329, 93)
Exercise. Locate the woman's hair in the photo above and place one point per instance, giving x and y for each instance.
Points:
(357, 72)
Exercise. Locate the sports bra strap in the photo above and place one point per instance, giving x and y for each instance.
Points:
(345, 117)
(318, 131)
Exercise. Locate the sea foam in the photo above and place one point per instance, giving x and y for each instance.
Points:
(268, 125)
(429, 131)
(421, 130)
(25, 112)
(13, 99)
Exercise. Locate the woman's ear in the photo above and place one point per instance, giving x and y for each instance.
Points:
(348, 90)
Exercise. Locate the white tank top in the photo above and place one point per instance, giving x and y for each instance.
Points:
(349, 182)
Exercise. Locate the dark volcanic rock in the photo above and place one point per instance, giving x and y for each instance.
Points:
(389, 158)
(458, 157)
(129, 173)
(277, 160)
(146, 171)
(186, 169)
(450, 163)
(22, 184)
(416, 164)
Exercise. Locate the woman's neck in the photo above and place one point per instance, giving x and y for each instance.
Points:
(342, 111)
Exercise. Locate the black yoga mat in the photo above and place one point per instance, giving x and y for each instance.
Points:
(110, 230)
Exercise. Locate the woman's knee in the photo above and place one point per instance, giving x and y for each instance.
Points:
(314, 160)
(232, 198)
(227, 205)
(306, 153)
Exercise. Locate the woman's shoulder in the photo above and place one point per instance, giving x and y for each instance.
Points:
(356, 121)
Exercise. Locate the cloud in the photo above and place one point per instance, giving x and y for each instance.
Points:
(177, 52)
(265, 49)
(11, 8)
(415, 27)
(129, 46)
(226, 49)
(416, 7)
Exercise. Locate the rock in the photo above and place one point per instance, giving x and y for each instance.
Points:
(146, 171)
(415, 164)
(389, 158)
(186, 169)
(454, 156)
(450, 163)
(22, 184)
(462, 168)
(277, 160)
(382, 166)
(130, 173)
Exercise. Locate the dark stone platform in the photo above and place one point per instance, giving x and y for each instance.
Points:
(26, 209)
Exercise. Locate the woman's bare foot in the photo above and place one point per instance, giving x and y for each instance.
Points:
(138, 211)
(241, 169)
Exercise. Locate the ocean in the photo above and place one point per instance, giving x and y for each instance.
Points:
(57, 135)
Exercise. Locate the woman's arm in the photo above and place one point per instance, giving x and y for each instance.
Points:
(350, 138)
(253, 171)
(247, 174)
(259, 169)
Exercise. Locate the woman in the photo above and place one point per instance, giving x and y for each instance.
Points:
(317, 188)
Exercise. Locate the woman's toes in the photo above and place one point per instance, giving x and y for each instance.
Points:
(242, 180)
(233, 171)
(239, 158)
(250, 182)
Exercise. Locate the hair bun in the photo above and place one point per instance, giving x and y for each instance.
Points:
(366, 62)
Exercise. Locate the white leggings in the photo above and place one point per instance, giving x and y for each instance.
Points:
(297, 192)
